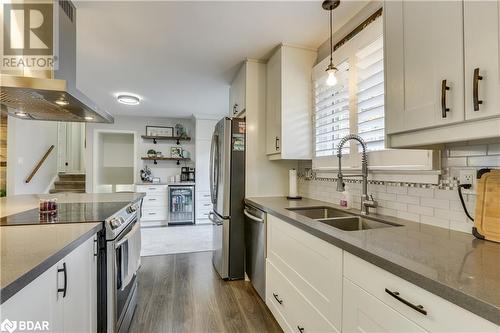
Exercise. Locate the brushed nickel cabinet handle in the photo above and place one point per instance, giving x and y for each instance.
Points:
(396, 295)
(475, 89)
(444, 89)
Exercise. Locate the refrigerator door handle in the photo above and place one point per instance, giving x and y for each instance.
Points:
(211, 217)
(213, 168)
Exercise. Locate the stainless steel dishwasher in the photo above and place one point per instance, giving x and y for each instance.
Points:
(255, 248)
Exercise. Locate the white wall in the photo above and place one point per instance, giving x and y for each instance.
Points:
(27, 142)
(164, 169)
(263, 177)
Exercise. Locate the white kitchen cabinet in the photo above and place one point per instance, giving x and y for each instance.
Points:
(432, 57)
(237, 93)
(364, 313)
(41, 301)
(313, 271)
(289, 103)
(452, 45)
(203, 141)
(440, 315)
(481, 37)
(155, 203)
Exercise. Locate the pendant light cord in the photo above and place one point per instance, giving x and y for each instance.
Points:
(331, 37)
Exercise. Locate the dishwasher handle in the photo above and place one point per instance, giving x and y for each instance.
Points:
(251, 217)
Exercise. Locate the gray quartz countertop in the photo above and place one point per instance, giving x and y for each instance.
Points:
(29, 250)
(453, 265)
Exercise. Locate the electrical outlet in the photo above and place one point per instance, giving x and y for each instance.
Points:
(468, 176)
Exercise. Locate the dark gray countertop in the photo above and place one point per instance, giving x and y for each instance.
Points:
(451, 264)
(29, 250)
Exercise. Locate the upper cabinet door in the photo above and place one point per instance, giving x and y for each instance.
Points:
(482, 76)
(273, 104)
(424, 62)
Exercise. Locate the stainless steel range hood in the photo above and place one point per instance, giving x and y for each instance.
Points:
(51, 95)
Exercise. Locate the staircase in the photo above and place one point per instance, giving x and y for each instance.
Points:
(69, 182)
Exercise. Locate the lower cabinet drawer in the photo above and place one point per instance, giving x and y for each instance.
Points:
(154, 201)
(363, 312)
(153, 214)
(411, 301)
(293, 312)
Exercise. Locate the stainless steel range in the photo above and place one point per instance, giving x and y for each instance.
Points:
(119, 262)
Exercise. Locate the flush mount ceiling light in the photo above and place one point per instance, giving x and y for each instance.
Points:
(21, 114)
(330, 5)
(128, 99)
(88, 118)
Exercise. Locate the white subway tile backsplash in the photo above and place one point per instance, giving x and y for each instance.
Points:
(446, 194)
(477, 150)
(455, 162)
(408, 199)
(417, 209)
(436, 203)
(494, 149)
(421, 192)
(484, 161)
(397, 189)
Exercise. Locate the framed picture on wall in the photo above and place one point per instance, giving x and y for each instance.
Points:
(159, 131)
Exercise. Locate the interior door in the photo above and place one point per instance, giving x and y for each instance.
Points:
(71, 147)
(482, 76)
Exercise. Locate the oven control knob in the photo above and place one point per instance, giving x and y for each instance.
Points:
(115, 222)
(131, 209)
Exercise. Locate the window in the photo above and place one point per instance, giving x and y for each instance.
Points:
(370, 94)
(356, 105)
(332, 113)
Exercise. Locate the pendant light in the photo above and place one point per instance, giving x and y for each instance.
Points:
(330, 5)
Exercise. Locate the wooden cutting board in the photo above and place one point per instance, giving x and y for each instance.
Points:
(487, 217)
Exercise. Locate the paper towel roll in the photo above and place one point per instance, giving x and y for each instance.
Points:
(292, 183)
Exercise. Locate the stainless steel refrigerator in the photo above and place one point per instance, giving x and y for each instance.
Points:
(227, 189)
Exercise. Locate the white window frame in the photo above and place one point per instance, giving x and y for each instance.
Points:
(388, 164)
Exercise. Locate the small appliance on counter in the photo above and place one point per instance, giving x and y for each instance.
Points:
(187, 174)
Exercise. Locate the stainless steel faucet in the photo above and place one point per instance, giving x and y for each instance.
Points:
(366, 201)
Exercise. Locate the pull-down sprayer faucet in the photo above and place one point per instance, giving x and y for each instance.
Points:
(366, 202)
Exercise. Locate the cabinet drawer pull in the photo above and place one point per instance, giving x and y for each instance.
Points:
(277, 143)
(151, 213)
(475, 89)
(65, 288)
(152, 188)
(206, 205)
(280, 301)
(151, 199)
(301, 329)
(444, 88)
(396, 295)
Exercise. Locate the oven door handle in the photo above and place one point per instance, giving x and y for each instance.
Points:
(128, 235)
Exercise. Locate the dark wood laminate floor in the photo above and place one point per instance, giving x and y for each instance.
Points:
(183, 293)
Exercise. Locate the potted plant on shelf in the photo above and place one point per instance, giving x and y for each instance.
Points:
(151, 153)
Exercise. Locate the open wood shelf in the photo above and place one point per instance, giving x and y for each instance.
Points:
(156, 159)
(166, 138)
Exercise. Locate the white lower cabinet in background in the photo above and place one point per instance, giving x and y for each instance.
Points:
(313, 286)
(155, 203)
(41, 301)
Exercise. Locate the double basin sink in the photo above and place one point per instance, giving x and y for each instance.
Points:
(340, 219)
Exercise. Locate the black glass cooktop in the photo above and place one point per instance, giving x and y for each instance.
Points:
(66, 213)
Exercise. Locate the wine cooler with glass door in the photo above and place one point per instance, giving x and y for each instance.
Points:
(180, 204)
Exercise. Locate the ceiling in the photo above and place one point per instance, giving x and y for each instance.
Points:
(181, 56)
